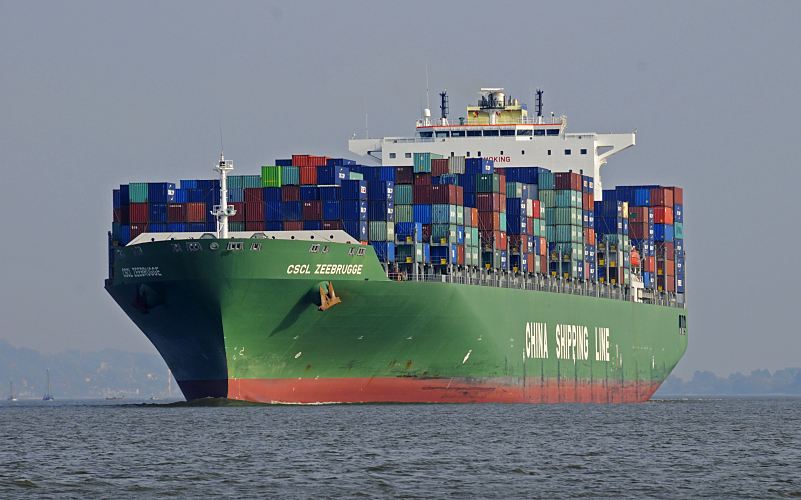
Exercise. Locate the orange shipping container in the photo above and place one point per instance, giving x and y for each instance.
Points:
(195, 212)
(663, 215)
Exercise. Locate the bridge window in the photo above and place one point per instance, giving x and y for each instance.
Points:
(539, 131)
(468, 154)
(457, 133)
(507, 132)
(491, 133)
(392, 155)
(526, 132)
(583, 151)
(408, 155)
(443, 133)
(522, 151)
(479, 153)
(426, 135)
(549, 152)
(501, 152)
(473, 133)
(553, 131)
(567, 152)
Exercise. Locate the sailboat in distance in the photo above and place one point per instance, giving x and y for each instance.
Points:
(11, 396)
(48, 395)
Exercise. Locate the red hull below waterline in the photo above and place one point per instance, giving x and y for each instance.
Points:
(415, 390)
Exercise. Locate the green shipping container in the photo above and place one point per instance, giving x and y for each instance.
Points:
(270, 176)
(503, 221)
(568, 198)
(460, 214)
(403, 194)
(137, 192)
(404, 213)
(678, 230)
(382, 231)
(488, 183)
(236, 226)
(244, 181)
(290, 176)
(547, 197)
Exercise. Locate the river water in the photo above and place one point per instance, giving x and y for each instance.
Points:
(684, 448)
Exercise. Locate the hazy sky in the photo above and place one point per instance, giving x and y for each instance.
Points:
(94, 94)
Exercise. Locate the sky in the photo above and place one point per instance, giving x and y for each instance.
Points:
(95, 94)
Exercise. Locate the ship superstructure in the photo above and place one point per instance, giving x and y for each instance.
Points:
(499, 127)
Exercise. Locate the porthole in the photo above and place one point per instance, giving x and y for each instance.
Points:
(214, 245)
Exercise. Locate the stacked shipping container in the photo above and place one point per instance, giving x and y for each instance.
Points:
(442, 212)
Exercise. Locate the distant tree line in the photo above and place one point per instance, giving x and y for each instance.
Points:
(786, 382)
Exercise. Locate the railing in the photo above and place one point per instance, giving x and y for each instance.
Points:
(541, 283)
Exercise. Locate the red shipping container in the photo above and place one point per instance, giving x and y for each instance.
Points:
(254, 212)
(460, 255)
(290, 193)
(638, 230)
(459, 195)
(421, 194)
(502, 186)
(443, 193)
(589, 235)
(404, 175)
(254, 225)
(665, 249)
(530, 262)
(308, 176)
(543, 247)
(139, 213)
(649, 264)
(663, 215)
(293, 225)
(530, 225)
(137, 229)
(176, 212)
(254, 194)
(330, 225)
(422, 179)
(488, 202)
(195, 212)
(567, 180)
(638, 214)
(489, 220)
(439, 166)
(543, 264)
(518, 243)
(300, 160)
(535, 209)
(678, 195)
(312, 210)
(501, 243)
(661, 197)
(588, 201)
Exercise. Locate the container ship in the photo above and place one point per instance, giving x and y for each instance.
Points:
(478, 260)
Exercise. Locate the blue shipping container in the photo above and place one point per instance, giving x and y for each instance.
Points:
(357, 229)
(332, 210)
(385, 250)
(422, 214)
(354, 210)
(354, 190)
(292, 210)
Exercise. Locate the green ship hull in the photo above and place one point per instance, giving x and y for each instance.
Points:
(246, 324)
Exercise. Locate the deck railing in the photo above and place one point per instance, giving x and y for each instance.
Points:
(549, 284)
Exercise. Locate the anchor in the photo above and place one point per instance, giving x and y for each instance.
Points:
(328, 298)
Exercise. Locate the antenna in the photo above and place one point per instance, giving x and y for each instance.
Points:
(428, 96)
(443, 104)
(222, 149)
(538, 102)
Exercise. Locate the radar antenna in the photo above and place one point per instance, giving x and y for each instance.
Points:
(443, 107)
(538, 102)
